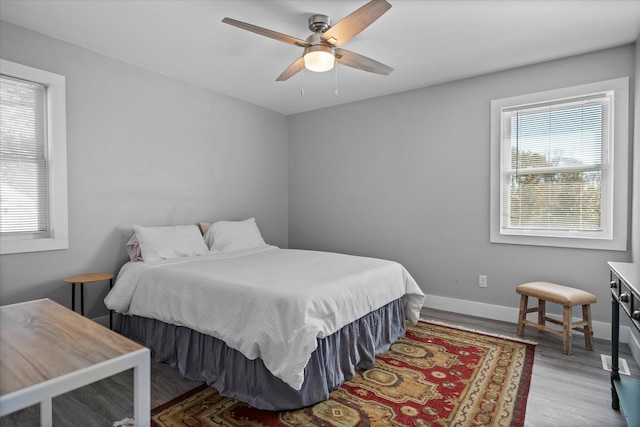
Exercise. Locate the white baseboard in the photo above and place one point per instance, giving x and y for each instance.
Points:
(510, 314)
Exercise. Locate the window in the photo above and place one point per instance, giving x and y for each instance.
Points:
(33, 175)
(559, 167)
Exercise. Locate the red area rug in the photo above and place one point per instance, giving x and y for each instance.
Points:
(436, 376)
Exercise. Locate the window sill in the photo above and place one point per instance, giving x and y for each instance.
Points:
(17, 246)
(619, 244)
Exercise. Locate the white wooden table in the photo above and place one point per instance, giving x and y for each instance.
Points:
(47, 350)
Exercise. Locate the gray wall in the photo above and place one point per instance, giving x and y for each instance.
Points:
(406, 177)
(403, 177)
(144, 149)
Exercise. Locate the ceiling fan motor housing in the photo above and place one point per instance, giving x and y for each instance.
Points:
(319, 23)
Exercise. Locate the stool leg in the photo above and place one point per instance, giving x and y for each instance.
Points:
(73, 297)
(524, 301)
(82, 298)
(588, 330)
(566, 329)
(111, 311)
(542, 311)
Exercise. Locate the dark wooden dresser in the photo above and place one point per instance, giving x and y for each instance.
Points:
(625, 293)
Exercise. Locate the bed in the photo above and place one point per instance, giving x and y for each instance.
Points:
(276, 328)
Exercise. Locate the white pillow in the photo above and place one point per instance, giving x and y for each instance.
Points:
(176, 241)
(230, 236)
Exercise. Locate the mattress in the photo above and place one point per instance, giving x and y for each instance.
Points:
(267, 303)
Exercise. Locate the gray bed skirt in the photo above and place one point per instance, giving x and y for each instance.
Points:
(201, 357)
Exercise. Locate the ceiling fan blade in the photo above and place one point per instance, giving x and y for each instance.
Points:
(291, 70)
(267, 33)
(355, 60)
(354, 23)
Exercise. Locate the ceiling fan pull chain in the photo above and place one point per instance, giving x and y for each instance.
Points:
(302, 88)
(335, 91)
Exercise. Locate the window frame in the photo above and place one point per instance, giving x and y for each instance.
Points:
(57, 237)
(614, 191)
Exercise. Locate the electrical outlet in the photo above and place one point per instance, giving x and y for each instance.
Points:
(482, 281)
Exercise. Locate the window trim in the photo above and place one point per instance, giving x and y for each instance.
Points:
(58, 236)
(619, 149)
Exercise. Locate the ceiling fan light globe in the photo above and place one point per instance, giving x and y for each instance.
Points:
(319, 58)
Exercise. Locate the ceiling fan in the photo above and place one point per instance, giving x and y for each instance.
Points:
(322, 49)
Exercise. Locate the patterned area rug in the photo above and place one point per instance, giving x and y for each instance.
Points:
(436, 376)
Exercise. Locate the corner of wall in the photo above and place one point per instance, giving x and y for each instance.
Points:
(635, 185)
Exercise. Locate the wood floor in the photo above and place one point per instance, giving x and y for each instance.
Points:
(565, 390)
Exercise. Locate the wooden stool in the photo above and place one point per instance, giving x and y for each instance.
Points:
(563, 295)
(88, 278)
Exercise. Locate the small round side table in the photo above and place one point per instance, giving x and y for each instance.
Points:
(88, 278)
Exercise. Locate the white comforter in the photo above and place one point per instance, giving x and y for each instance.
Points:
(269, 303)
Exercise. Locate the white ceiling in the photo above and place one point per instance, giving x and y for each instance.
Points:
(427, 42)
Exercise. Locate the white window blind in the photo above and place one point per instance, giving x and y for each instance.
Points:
(555, 161)
(23, 157)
